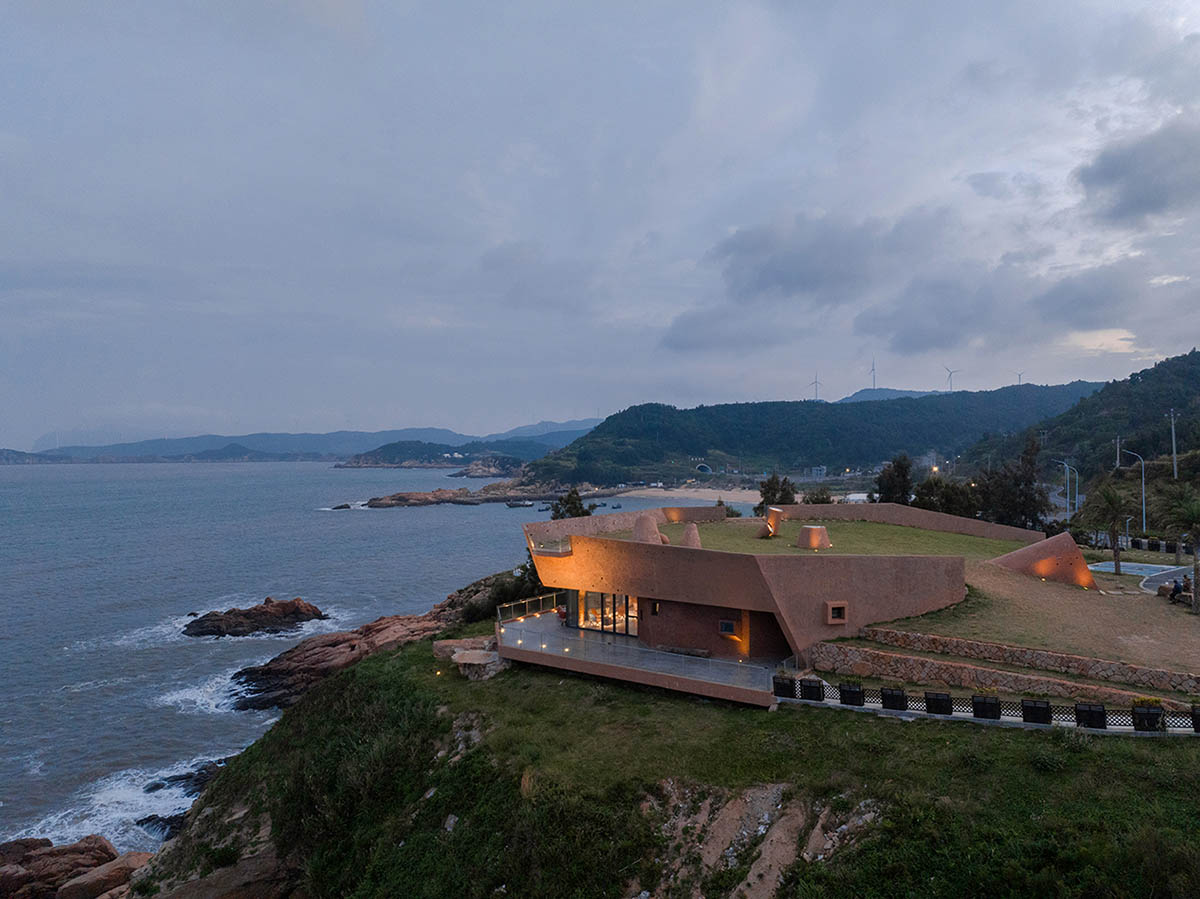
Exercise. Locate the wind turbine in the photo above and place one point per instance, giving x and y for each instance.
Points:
(950, 373)
(872, 372)
(816, 385)
(1018, 374)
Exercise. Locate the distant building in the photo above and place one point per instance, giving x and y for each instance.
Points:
(818, 472)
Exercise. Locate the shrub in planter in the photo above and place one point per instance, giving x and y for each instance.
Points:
(851, 693)
(1148, 718)
(939, 703)
(985, 706)
(1196, 718)
(1035, 711)
(894, 698)
(1154, 544)
(812, 689)
(1090, 714)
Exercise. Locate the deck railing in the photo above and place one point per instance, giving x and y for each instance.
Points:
(534, 605)
(573, 644)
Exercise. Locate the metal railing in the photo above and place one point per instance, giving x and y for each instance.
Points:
(569, 643)
(1083, 714)
(534, 605)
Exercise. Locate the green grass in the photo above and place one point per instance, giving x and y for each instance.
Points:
(847, 537)
(548, 802)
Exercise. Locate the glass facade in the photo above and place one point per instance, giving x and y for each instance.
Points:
(613, 613)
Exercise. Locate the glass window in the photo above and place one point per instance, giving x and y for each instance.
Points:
(590, 610)
(631, 616)
(607, 603)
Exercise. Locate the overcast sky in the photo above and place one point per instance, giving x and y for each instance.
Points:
(319, 215)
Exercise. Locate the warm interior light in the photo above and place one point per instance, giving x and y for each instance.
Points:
(543, 646)
(566, 649)
(519, 642)
(437, 672)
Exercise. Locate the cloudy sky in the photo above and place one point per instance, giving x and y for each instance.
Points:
(319, 215)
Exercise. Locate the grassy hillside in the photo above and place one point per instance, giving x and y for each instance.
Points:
(1135, 408)
(417, 451)
(655, 441)
(567, 791)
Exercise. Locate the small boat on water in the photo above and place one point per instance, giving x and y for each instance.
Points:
(545, 509)
(601, 505)
(520, 504)
(616, 505)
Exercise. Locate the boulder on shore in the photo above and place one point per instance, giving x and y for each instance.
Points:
(268, 615)
(35, 868)
(100, 880)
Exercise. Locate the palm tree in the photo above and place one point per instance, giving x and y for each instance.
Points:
(1183, 514)
(1105, 510)
(1171, 495)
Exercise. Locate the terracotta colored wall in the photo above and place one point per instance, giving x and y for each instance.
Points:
(1047, 660)
(893, 513)
(844, 658)
(595, 525)
(792, 588)
(767, 639)
(682, 625)
(1056, 559)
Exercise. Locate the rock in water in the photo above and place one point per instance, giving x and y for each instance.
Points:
(269, 615)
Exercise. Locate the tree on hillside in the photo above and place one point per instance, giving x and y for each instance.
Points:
(775, 491)
(1013, 494)
(941, 495)
(895, 481)
(1183, 515)
(570, 505)
(1105, 510)
(818, 496)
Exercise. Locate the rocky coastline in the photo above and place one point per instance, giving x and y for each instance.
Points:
(268, 616)
(499, 492)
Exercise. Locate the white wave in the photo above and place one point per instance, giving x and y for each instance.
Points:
(112, 805)
(214, 696)
(88, 685)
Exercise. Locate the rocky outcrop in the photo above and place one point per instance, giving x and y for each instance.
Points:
(284, 679)
(490, 467)
(461, 497)
(105, 878)
(445, 649)
(35, 869)
(268, 616)
(478, 664)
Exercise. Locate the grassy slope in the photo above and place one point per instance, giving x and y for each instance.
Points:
(548, 802)
(847, 537)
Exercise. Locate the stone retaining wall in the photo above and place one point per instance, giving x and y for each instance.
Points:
(1045, 659)
(844, 658)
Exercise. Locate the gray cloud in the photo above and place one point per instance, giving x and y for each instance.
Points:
(1155, 173)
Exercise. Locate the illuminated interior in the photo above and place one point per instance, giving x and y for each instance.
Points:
(613, 613)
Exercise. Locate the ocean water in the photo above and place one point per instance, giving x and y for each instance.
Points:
(100, 692)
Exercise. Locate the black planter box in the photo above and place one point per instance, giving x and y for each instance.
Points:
(1154, 544)
(1035, 711)
(1170, 546)
(1196, 718)
(1147, 719)
(894, 698)
(784, 686)
(986, 707)
(812, 689)
(939, 704)
(1090, 714)
(1136, 543)
(851, 694)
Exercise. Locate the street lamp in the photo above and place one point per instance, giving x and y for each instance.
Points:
(1067, 469)
(1143, 461)
(1127, 520)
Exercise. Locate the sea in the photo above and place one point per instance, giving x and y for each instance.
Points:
(101, 694)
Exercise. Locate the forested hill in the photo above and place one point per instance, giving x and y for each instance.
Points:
(1135, 409)
(656, 441)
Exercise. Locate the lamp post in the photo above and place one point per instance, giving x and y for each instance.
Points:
(1076, 470)
(1127, 520)
(1143, 461)
(1174, 457)
(1067, 489)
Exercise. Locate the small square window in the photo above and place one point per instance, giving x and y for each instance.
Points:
(654, 608)
(837, 613)
(726, 626)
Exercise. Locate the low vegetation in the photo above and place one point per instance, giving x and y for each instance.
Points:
(549, 801)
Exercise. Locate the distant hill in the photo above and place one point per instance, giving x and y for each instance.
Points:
(334, 445)
(16, 457)
(869, 394)
(656, 441)
(1134, 408)
(406, 453)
